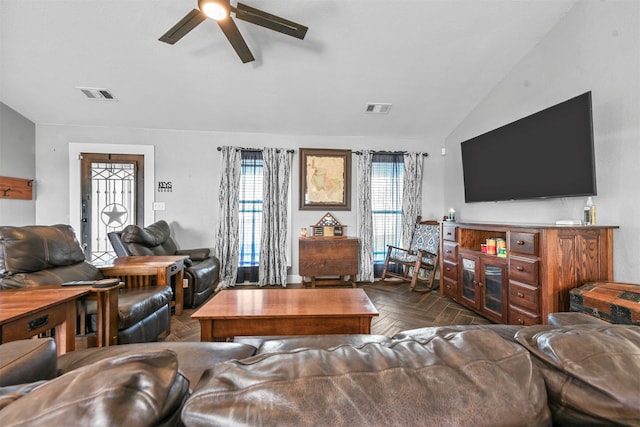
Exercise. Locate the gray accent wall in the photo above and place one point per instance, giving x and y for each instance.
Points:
(17, 160)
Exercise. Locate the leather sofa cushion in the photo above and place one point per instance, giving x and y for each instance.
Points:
(141, 389)
(569, 318)
(51, 276)
(10, 394)
(426, 334)
(279, 344)
(592, 372)
(193, 357)
(469, 378)
(26, 361)
(152, 240)
(198, 254)
(37, 247)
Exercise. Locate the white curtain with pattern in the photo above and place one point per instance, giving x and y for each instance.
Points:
(227, 239)
(273, 254)
(411, 195)
(365, 217)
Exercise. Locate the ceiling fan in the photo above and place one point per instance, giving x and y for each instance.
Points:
(220, 10)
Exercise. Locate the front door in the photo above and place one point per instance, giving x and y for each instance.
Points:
(112, 197)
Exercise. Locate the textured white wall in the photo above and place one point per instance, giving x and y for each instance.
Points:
(596, 47)
(190, 160)
(17, 160)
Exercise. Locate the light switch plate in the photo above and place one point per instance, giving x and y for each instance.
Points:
(158, 206)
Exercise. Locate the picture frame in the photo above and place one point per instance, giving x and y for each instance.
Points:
(325, 179)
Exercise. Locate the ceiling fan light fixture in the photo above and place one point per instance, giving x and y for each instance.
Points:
(214, 10)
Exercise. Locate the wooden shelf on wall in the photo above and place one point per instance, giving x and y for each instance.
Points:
(16, 188)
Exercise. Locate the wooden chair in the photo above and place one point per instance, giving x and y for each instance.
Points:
(422, 254)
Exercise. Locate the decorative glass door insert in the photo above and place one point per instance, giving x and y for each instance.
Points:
(112, 198)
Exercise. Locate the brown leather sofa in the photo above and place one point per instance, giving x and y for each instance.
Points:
(38, 255)
(201, 269)
(574, 371)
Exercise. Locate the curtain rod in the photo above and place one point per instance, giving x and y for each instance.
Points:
(255, 149)
(389, 152)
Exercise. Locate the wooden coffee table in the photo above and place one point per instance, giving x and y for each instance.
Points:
(28, 312)
(240, 312)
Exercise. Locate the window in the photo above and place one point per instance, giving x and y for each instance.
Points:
(250, 226)
(386, 199)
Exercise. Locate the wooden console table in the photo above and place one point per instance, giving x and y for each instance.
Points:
(541, 265)
(137, 271)
(26, 313)
(328, 256)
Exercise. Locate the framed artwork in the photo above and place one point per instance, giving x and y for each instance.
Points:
(325, 179)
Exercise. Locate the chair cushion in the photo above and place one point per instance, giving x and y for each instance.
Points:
(136, 304)
(37, 247)
(51, 276)
(427, 237)
(470, 378)
(140, 389)
(592, 372)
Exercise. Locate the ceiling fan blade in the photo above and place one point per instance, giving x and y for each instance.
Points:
(186, 24)
(230, 30)
(267, 20)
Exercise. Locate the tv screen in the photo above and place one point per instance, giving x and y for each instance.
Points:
(547, 154)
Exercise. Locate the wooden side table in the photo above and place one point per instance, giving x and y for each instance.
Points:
(106, 313)
(326, 256)
(137, 271)
(26, 313)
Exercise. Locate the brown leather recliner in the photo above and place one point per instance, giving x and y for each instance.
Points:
(201, 269)
(36, 255)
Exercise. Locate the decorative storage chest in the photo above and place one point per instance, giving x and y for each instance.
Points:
(610, 301)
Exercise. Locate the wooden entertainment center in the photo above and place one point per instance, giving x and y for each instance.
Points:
(542, 263)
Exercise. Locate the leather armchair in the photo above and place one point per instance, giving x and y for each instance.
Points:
(201, 269)
(38, 255)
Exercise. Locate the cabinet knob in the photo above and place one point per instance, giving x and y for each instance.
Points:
(449, 234)
(448, 268)
(520, 242)
(480, 284)
(519, 268)
(520, 294)
(520, 321)
(448, 251)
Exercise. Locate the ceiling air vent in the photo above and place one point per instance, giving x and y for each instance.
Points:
(97, 93)
(377, 108)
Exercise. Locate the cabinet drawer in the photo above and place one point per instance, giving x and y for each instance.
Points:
(524, 296)
(450, 251)
(450, 288)
(523, 270)
(450, 271)
(521, 317)
(524, 243)
(449, 232)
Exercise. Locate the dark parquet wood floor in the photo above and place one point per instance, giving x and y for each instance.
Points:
(399, 309)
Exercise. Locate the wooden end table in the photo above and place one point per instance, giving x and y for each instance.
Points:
(237, 312)
(26, 313)
(136, 271)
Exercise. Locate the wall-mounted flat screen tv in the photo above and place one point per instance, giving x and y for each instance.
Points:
(547, 154)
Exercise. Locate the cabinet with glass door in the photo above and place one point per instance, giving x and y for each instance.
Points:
(484, 284)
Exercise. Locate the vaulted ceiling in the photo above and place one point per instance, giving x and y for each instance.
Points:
(434, 60)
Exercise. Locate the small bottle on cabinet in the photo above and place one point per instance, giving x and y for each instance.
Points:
(589, 210)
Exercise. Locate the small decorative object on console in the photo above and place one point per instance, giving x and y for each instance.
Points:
(328, 226)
